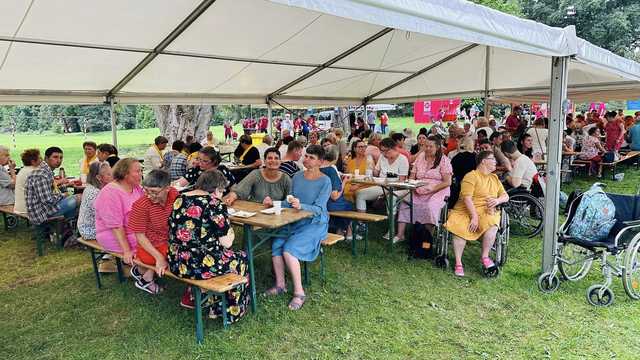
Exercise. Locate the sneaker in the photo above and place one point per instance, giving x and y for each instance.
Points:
(396, 239)
(135, 273)
(458, 271)
(187, 300)
(386, 236)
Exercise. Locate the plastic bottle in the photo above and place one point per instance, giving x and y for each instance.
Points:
(61, 173)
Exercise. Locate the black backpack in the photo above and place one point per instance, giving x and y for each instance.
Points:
(421, 242)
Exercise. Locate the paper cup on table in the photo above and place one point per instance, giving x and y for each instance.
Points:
(356, 172)
(277, 206)
(83, 178)
(369, 173)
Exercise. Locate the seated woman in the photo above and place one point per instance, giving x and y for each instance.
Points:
(433, 168)
(310, 192)
(200, 239)
(358, 162)
(208, 158)
(525, 145)
(591, 151)
(475, 214)
(263, 185)
(418, 148)
(149, 222)
(99, 175)
(337, 202)
(248, 155)
(113, 205)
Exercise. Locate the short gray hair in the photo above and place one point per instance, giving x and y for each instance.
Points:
(211, 180)
(4, 148)
(157, 179)
(94, 170)
(267, 139)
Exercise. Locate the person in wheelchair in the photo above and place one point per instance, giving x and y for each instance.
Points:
(475, 214)
(522, 171)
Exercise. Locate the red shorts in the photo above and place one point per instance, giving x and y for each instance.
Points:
(147, 258)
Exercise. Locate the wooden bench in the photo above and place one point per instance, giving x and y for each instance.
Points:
(355, 217)
(612, 165)
(331, 240)
(39, 232)
(216, 286)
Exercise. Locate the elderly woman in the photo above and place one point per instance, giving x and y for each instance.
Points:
(434, 169)
(263, 185)
(7, 178)
(149, 222)
(311, 191)
(475, 215)
(113, 205)
(200, 240)
(99, 175)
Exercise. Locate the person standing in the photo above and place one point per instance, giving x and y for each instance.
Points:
(154, 157)
(371, 120)
(384, 121)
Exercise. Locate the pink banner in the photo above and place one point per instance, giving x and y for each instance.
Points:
(435, 110)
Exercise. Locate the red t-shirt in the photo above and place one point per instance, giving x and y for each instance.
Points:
(152, 219)
(384, 119)
(264, 122)
(612, 138)
(512, 122)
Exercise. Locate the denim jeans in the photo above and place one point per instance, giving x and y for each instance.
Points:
(67, 207)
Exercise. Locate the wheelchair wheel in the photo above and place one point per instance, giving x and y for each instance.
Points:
(576, 261)
(597, 295)
(491, 272)
(547, 283)
(442, 262)
(631, 270)
(526, 214)
(12, 221)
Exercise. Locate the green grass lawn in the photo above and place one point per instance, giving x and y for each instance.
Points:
(378, 306)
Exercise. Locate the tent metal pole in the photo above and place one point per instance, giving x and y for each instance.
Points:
(366, 118)
(559, 80)
(269, 116)
(114, 127)
(487, 79)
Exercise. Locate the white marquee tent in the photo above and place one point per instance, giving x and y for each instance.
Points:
(299, 52)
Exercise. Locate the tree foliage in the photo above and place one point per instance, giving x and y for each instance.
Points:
(610, 24)
(506, 6)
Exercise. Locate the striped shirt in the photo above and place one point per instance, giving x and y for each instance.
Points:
(289, 167)
(152, 219)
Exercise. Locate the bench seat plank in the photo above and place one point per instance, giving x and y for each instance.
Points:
(359, 216)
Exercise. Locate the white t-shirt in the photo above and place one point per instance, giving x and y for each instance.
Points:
(20, 205)
(525, 169)
(487, 129)
(539, 136)
(400, 167)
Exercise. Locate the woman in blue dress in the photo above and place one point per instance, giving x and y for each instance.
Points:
(310, 192)
(337, 202)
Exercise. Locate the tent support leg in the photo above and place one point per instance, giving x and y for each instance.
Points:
(114, 127)
(558, 96)
(269, 116)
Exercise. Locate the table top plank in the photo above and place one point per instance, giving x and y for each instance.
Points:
(268, 221)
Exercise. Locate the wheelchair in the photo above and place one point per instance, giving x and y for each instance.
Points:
(442, 239)
(574, 257)
(526, 211)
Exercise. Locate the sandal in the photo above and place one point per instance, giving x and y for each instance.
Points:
(458, 270)
(297, 305)
(275, 291)
(487, 263)
(144, 285)
(135, 272)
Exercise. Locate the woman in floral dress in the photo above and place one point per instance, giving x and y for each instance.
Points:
(200, 239)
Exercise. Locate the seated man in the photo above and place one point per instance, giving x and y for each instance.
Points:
(89, 157)
(523, 169)
(108, 153)
(44, 199)
(7, 178)
(154, 157)
(289, 164)
(634, 136)
(179, 161)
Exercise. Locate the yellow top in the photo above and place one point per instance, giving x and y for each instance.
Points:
(349, 189)
(480, 187)
(84, 164)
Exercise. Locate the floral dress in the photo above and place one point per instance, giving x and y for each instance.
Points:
(196, 224)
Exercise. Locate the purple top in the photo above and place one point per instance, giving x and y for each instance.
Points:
(113, 206)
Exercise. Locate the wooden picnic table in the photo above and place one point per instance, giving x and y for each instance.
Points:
(388, 188)
(263, 227)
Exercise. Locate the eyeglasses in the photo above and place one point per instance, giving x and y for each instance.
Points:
(206, 161)
(153, 192)
(361, 146)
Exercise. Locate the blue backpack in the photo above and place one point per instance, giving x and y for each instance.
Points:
(594, 217)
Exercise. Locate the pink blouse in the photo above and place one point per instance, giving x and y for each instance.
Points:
(424, 171)
(113, 206)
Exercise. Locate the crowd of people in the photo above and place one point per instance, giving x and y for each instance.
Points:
(170, 211)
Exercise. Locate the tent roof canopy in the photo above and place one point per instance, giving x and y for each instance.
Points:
(294, 51)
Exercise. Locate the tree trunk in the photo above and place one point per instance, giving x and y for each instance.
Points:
(176, 122)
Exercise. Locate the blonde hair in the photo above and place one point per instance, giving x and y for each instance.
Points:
(466, 144)
(122, 167)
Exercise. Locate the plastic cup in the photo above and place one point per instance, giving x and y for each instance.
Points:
(356, 172)
(369, 173)
(277, 205)
(83, 178)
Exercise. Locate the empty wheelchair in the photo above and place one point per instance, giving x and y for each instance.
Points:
(442, 239)
(574, 257)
